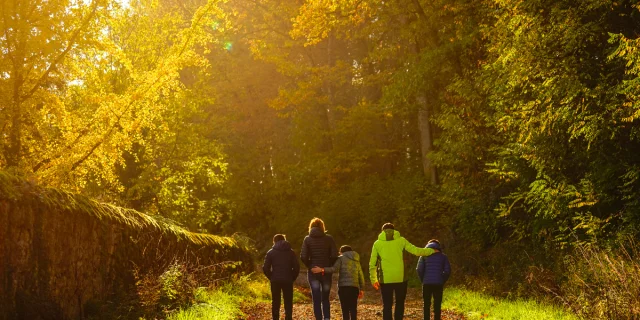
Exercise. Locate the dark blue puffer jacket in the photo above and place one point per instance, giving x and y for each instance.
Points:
(281, 263)
(434, 269)
(318, 249)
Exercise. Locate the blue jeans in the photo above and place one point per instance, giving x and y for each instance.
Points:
(320, 290)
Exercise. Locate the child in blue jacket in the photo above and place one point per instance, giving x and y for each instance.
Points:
(433, 271)
(281, 266)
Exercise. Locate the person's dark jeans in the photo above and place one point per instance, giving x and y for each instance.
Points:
(349, 302)
(287, 292)
(435, 290)
(388, 290)
(320, 291)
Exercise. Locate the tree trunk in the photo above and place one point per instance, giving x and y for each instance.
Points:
(424, 112)
(426, 139)
(329, 110)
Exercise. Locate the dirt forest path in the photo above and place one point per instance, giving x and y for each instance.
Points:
(370, 308)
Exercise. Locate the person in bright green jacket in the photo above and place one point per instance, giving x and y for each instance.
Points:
(386, 269)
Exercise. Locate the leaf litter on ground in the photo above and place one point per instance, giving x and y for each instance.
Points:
(369, 308)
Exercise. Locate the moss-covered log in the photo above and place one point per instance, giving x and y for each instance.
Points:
(60, 252)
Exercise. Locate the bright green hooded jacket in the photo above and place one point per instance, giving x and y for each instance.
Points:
(387, 255)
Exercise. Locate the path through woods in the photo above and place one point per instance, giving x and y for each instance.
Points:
(369, 308)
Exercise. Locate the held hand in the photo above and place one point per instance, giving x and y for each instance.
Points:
(361, 295)
(376, 285)
(316, 270)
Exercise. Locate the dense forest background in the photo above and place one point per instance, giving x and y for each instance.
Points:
(506, 128)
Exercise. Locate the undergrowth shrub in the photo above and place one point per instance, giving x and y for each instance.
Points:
(603, 283)
(507, 269)
(177, 285)
(229, 300)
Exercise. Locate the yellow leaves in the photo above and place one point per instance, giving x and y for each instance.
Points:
(313, 23)
(578, 203)
(136, 96)
(318, 18)
(629, 119)
(635, 115)
(125, 81)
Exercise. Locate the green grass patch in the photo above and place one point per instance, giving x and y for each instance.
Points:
(225, 301)
(211, 305)
(480, 306)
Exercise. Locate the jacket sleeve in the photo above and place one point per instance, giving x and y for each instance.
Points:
(360, 276)
(304, 253)
(417, 251)
(373, 261)
(266, 267)
(333, 256)
(447, 269)
(335, 268)
(420, 268)
(296, 266)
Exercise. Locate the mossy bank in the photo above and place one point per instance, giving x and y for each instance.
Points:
(62, 255)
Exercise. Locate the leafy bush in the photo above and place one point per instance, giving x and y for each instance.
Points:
(177, 285)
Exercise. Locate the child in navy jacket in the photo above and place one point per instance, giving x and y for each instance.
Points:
(281, 266)
(433, 271)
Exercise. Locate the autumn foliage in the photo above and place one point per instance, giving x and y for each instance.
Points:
(497, 126)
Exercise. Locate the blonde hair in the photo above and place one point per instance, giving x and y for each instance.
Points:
(316, 222)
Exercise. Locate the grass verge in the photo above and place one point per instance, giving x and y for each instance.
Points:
(225, 302)
(480, 306)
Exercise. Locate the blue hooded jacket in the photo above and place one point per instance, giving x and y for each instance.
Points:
(434, 269)
(281, 263)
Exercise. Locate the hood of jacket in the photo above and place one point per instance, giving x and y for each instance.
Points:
(388, 235)
(316, 232)
(434, 245)
(352, 255)
(282, 245)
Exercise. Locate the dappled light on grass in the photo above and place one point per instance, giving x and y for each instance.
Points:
(480, 306)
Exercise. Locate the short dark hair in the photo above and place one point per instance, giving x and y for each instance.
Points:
(388, 225)
(279, 237)
(433, 240)
(345, 248)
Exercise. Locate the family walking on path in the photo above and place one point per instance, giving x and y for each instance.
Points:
(386, 271)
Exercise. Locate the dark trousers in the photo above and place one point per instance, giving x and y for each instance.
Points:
(388, 290)
(435, 291)
(287, 292)
(320, 291)
(349, 302)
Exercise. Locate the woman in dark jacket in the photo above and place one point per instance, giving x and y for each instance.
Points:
(319, 250)
(434, 271)
(281, 266)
